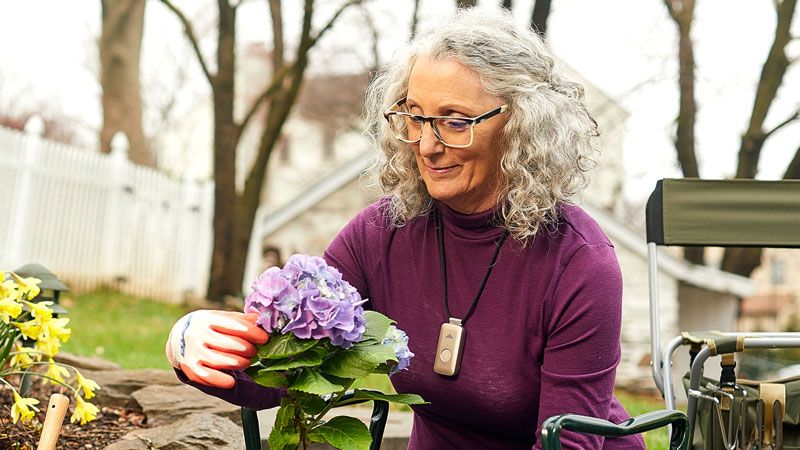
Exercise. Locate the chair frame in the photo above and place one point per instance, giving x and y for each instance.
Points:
(661, 363)
(380, 413)
(772, 197)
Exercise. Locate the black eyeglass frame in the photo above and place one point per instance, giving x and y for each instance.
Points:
(429, 119)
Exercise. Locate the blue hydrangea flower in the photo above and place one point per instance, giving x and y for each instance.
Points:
(398, 340)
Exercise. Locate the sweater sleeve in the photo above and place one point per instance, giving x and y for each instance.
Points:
(583, 349)
(245, 392)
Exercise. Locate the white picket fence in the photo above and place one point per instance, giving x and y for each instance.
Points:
(97, 219)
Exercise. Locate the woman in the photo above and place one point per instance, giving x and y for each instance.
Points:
(482, 147)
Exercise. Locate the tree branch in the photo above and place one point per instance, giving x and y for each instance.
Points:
(793, 170)
(772, 74)
(414, 20)
(187, 27)
(275, 11)
(330, 23)
(375, 37)
(269, 91)
(788, 120)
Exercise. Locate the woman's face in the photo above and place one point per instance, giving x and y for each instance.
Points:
(466, 179)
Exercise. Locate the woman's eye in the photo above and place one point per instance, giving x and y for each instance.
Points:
(456, 124)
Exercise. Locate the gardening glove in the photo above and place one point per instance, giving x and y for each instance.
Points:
(204, 342)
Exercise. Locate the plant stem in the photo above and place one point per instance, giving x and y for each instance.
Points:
(331, 404)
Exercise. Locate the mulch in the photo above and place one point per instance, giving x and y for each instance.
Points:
(111, 424)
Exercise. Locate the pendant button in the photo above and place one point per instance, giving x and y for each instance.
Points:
(445, 355)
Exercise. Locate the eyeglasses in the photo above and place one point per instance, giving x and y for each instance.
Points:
(451, 131)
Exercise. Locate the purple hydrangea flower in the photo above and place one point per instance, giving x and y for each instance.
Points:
(398, 340)
(310, 299)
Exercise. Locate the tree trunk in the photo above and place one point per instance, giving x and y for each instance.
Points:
(466, 3)
(539, 16)
(743, 261)
(414, 20)
(682, 13)
(278, 113)
(508, 4)
(793, 170)
(120, 48)
(221, 283)
(234, 214)
(771, 78)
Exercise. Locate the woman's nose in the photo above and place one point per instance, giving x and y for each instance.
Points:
(429, 144)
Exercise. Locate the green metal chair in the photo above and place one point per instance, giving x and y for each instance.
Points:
(551, 428)
(380, 413)
(722, 213)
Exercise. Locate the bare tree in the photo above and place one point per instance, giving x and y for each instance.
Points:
(744, 261)
(234, 212)
(682, 13)
(120, 49)
(539, 16)
(414, 19)
(741, 261)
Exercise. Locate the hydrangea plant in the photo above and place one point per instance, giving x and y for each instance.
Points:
(20, 317)
(321, 342)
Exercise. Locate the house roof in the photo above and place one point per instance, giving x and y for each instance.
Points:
(701, 276)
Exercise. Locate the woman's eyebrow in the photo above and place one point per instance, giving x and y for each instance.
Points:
(444, 109)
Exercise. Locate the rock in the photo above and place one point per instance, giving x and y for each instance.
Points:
(116, 386)
(85, 362)
(165, 404)
(199, 431)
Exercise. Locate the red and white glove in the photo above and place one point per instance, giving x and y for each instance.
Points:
(204, 342)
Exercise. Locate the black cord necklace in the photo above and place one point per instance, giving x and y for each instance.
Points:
(453, 334)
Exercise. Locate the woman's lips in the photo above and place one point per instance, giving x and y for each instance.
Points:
(443, 170)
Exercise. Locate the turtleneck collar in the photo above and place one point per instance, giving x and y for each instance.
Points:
(472, 226)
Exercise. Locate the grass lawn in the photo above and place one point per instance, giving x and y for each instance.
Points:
(132, 331)
(127, 330)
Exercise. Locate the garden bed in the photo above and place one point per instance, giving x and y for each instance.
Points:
(111, 424)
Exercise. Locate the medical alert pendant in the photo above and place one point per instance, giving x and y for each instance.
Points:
(450, 348)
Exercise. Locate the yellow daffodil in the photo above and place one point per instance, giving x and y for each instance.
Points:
(48, 346)
(56, 372)
(23, 357)
(41, 311)
(84, 411)
(27, 286)
(23, 408)
(9, 309)
(57, 328)
(8, 289)
(30, 329)
(88, 385)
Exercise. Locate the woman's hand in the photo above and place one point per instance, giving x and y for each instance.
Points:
(204, 342)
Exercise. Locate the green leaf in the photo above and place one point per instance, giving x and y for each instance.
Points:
(283, 440)
(344, 433)
(357, 362)
(377, 326)
(310, 404)
(268, 378)
(313, 382)
(406, 399)
(284, 436)
(284, 346)
(310, 358)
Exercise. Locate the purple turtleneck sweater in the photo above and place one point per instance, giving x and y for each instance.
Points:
(543, 340)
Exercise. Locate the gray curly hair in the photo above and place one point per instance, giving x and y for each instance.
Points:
(549, 139)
